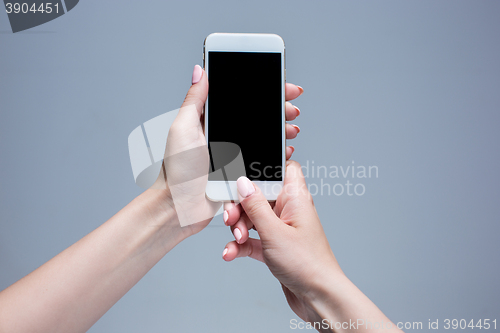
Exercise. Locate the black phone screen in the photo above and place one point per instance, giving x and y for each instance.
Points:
(245, 109)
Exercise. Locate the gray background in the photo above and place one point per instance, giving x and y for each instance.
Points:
(412, 87)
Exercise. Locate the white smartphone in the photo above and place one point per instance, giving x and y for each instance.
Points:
(245, 113)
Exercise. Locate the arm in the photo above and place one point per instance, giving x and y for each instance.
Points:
(73, 290)
(337, 301)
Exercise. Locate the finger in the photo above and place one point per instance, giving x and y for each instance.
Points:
(257, 208)
(232, 213)
(291, 111)
(291, 131)
(289, 152)
(240, 229)
(197, 94)
(294, 184)
(251, 248)
(295, 174)
(292, 91)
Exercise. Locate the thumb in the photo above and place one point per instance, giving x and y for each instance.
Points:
(257, 208)
(197, 94)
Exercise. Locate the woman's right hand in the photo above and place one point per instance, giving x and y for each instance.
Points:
(292, 241)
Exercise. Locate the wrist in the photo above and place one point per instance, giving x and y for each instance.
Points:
(327, 293)
(158, 215)
(190, 213)
(339, 302)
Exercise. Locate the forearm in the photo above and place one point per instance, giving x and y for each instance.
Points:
(341, 307)
(74, 289)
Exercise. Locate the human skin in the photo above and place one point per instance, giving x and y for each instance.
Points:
(294, 246)
(74, 289)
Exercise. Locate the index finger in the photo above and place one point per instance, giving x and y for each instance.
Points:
(232, 213)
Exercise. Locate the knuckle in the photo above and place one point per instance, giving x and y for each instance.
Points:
(310, 199)
(174, 129)
(249, 249)
(193, 99)
(293, 164)
(254, 207)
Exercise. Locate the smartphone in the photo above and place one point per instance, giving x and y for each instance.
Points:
(245, 113)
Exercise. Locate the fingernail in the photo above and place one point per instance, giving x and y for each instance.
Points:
(197, 73)
(298, 110)
(225, 216)
(245, 187)
(237, 234)
(297, 128)
(301, 90)
(224, 252)
(293, 148)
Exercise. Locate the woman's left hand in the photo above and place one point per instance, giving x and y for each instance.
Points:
(186, 155)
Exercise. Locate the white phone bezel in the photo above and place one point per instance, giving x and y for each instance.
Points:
(226, 191)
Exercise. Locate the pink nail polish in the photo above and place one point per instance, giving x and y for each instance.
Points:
(298, 110)
(301, 90)
(225, 216)
(197, 73)
(297, 128)
(293, 148)
(245, 187)
(224, 252)
(237, 234)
